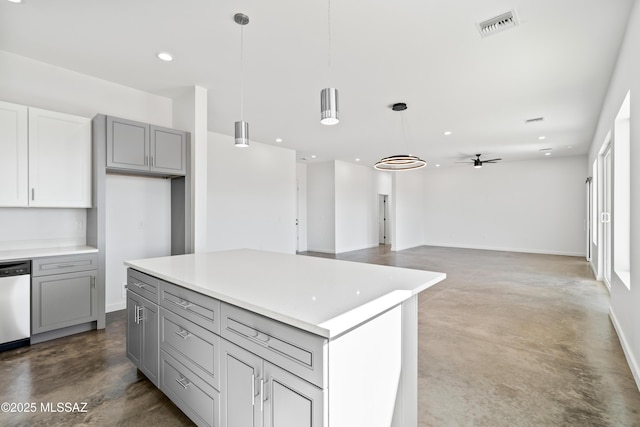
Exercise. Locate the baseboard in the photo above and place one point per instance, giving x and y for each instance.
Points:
(116, 307)
(633, 365)
(501, 249)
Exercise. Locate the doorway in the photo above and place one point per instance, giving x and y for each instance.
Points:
(605, 216)
(588, 217)
(383, 214)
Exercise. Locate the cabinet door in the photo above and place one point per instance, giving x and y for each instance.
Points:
(62, 300)
(240, 380)
(127, 144)
(142, 335)
(148, 319)
(290, 401)
(14, 171)
(134, 329)
(168, 150)
(59, 160)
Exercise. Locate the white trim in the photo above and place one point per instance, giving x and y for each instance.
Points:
(633, 364)
(521, 250)
(116, 307)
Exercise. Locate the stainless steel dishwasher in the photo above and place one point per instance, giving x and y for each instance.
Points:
(15, 304)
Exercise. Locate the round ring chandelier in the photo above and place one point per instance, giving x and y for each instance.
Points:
(400, 162)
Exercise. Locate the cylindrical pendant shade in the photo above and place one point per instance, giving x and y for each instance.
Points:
(242, 134)
(329, 106)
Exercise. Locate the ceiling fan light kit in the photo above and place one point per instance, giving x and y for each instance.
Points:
(477, 163)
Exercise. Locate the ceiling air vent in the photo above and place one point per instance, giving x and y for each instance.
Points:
(498, 23)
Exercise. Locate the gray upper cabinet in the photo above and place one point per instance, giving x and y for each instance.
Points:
(143, 148)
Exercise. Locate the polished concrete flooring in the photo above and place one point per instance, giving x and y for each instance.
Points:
(507, 339)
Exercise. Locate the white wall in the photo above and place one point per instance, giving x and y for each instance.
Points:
(528, 206)
(33, 83)
(625, 302)
(137, 227)
(301, 180)
(407, 209)
(24, 228)
(321, 207)
(251, 196)
(356, 204)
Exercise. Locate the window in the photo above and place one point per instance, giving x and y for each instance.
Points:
(622, 192)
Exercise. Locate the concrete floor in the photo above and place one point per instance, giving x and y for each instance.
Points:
(507, 340)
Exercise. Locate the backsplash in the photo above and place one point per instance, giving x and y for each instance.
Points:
(25, 228)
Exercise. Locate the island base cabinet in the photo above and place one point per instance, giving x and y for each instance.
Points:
(194, 396)
(290, 401)
(256, 393)
(241, 382)
(142, 335)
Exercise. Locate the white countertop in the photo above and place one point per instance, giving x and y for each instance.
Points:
(10, 255)
(323, 296)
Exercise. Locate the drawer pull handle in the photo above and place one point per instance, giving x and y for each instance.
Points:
(66, 265)
(262, 337)
(184, 304)
(139, 285)
(183, 382)
(184, 334)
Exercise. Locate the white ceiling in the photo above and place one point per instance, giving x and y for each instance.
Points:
(556, 64)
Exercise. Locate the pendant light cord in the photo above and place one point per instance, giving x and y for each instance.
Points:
(241, 72)
(329, 50)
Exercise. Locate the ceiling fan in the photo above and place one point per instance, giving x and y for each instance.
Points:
(477, 163)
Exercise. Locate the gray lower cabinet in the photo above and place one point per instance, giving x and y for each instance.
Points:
(290, 401)
(142, 335)
(221, 365)
(242, 382)
(135, 146)
(258, 393)
(63, 292)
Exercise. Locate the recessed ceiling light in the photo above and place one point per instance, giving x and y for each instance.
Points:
(447, 133)
(357, 160)
(165, 56)
(437, 166)
(278, 139)
(548, 153)
(15, 1)
(313, 157)
(542, 137)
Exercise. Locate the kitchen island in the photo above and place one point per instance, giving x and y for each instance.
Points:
(247, 337)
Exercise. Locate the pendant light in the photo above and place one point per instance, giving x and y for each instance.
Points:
(400, 162)
(241, 127)
(329, 95)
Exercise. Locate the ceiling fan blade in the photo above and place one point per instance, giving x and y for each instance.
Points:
(490, 161)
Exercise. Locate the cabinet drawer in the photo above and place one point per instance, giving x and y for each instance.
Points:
(290, 348)
(198, 400)
(64, 264)
(143, 284)
(200, 309)
(195, 347)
